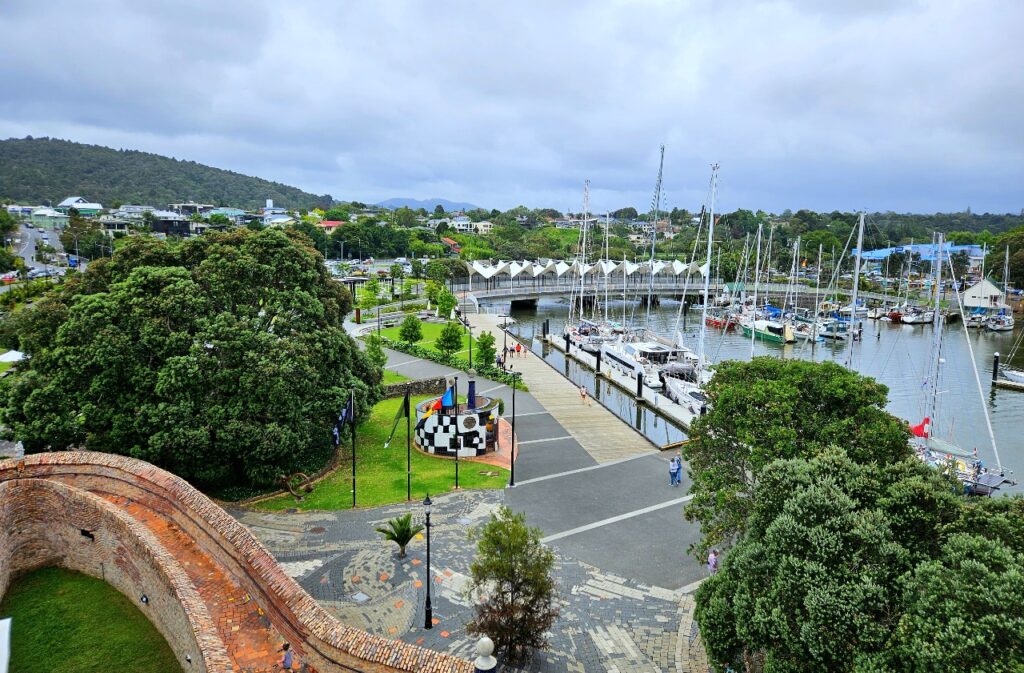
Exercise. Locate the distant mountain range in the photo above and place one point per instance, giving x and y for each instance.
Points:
(38, 170)
(427, 204)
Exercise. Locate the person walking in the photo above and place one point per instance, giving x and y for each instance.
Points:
(583, 396)
(673, 471)
(519, 349)
(676, 469)
(288, 660)
(713, 562)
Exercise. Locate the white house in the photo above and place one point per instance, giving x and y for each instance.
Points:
(985, 295)
(81, 205)
(462, 224)
(484, 227)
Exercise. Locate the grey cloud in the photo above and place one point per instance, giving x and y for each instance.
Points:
(901, 105)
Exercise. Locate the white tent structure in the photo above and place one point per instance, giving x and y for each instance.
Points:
(599, 271)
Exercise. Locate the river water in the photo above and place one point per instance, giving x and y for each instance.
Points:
(896, 355)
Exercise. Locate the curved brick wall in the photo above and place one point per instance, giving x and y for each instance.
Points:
(326, 643)
(40, 525)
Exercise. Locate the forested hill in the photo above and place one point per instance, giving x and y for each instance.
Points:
(37, 170)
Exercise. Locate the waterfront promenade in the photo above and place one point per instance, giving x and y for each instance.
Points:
(595, 487)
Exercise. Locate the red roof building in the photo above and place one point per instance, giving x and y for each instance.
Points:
(452, 244)
(329, 225)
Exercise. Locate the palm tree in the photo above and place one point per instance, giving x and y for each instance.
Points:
(401, 531)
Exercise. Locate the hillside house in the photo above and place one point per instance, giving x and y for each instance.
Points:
(329, 225)
(84, 208)
(190, 208)
(484, 227)
(453, 245)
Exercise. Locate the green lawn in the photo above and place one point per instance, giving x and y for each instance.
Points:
(65, 622)
(380, 477)
(389, 377)
(431, 332)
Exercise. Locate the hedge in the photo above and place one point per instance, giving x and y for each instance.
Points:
(486, 371)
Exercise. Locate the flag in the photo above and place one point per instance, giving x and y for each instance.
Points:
(444, 400)
(403, 412)
(347, 416)
(923, 428)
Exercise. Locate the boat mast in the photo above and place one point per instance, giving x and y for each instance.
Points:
(1006, 278)
(707, 275)
(656, 207)
(936, 336)
(977, 376)
(817, 283)
(606, 261)
(856, 284)
(757, 279)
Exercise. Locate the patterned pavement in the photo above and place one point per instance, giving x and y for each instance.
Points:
(608, 623)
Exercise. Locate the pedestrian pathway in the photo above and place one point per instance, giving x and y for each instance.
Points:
(600, 432)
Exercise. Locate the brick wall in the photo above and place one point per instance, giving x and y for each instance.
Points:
(41, 524)
(326, 643)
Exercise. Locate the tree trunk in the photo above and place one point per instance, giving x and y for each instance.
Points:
(401, 551)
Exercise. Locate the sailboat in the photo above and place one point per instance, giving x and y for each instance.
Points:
(585, 333)
(1002, 321)
(940, 452)
(684, 384)
(758, 324)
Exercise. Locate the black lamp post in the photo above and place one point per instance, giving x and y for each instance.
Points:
(512, 446)
(504, 332)
(470, 329)
(378, 320)
(428, 617)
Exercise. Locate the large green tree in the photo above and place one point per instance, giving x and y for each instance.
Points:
(767, 409)
(221, 358)
(846, 566)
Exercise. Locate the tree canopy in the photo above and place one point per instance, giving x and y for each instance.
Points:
(767, 409)
(221, 358)
(866, 568)
(48, 169)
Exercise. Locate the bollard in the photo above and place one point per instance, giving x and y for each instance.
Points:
(484, 662)
(639, 385)
(995, 367)
(359, 316)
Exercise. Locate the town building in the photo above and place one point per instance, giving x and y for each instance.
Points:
(84, 208)
(985, 295)
(484, 227)
(190, 208)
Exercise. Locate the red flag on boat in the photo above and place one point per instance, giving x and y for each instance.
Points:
(922, 429)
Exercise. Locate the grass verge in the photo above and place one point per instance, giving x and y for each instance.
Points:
(393, 377)
(431, 332)
(380, 472)
(66, 622)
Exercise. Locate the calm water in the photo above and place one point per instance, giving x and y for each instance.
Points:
(896, 355)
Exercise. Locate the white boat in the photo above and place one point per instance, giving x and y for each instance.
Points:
(936, 451)
(1011, 374)
(641, 358)
(1002, 322)
(976, 319)
(916, 316)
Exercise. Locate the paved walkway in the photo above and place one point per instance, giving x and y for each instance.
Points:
(602, 434)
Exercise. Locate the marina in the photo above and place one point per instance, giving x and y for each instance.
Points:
(893, 353)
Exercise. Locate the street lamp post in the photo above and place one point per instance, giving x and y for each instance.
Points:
(378, 320)
(428, 617)
(504, 333)
(470, 328)
(512, 444)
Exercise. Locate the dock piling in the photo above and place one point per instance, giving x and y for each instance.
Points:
(995, 367)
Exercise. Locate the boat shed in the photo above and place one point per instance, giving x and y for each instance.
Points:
(984, 295)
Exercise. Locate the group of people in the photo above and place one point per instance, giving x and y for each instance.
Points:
(675, 469)
(507, 352)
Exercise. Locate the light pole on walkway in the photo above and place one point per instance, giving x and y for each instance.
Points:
(428, 618)
(512, 442)
(504, 332)
(470, 329)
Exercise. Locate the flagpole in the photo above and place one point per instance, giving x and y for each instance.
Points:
(408, 443)
(352, 422)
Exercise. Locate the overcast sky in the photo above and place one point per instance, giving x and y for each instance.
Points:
(823, 104)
